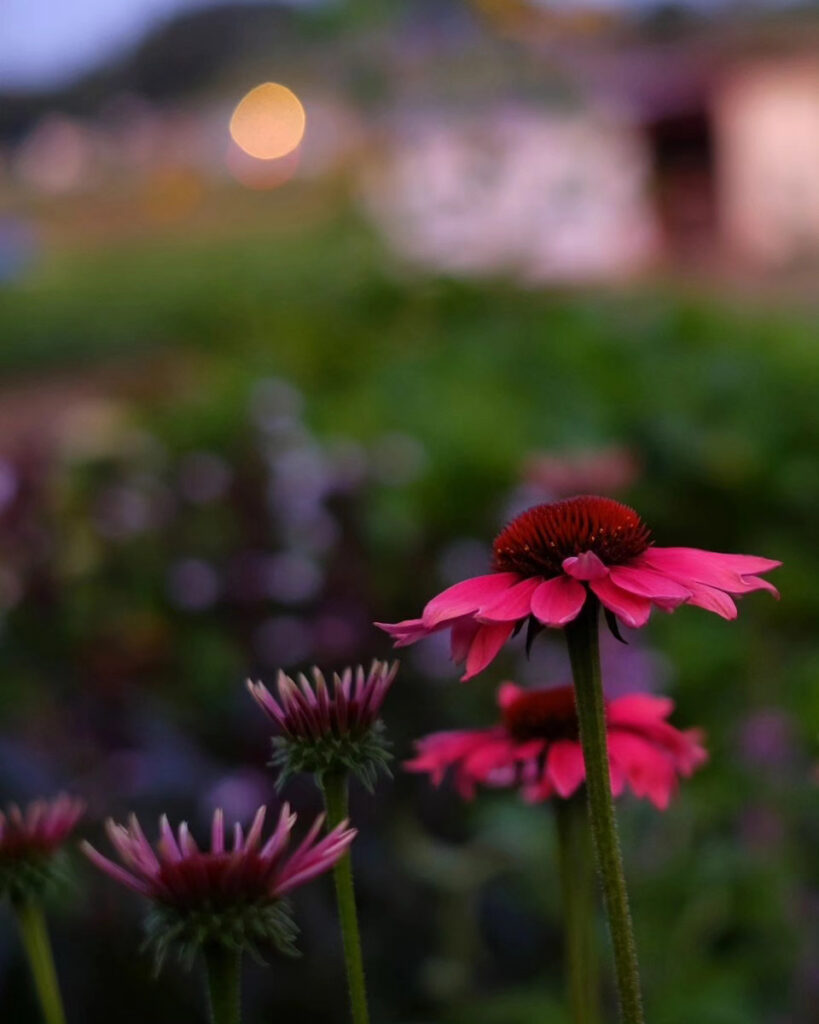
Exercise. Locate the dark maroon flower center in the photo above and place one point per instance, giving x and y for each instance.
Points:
(539, 539)
(21, 844)
(214, 879)
(542, 715)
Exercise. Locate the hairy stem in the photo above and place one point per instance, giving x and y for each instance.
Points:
(582, 637)
(223, 968)
(34, 934)
(577, 882)
(336, 801)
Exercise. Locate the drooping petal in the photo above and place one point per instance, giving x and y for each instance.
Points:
(709, 567)
(634, 611)
(466, 597)
(650, 584)
(496, 752)
(565, 766)
(485, 646)
(558, 601)
(406, 632)
(649, 770)
(440, 751)
(752, 583)
(713, 600)
(539, 790)
(461, 637)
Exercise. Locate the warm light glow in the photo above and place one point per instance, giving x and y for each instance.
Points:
(269, 122)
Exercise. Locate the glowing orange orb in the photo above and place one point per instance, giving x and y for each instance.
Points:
(268, 122)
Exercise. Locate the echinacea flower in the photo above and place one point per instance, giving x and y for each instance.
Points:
(536, 746)
(323, 730)
(30, 841)
(226, 897)
(552, 558)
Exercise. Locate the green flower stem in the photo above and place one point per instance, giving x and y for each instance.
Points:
(583, 641)
(334, 785)
(34, 934)
(223, 968)
(576, 864)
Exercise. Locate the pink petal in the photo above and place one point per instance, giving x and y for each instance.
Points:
(650, 771)
(713, 600)
(633, 610)
(463, 633)
(558, 601)
(617, 777)
(280, 835)
(638, 708)
(217, 832)
(485, 647)
(709, 567)
(565, 766)
(255, 834)
(586, 566)
(536, 792)
(169, 851)
(650, 584)
(115, 871)
(466, 597)
(442, 750)
(496, 751)
(513, 604)
(406, 632)
(508, 693)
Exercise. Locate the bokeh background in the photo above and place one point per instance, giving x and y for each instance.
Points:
(251, 403)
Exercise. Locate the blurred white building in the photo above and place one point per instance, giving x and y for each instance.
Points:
(536, 194)
(766, 121)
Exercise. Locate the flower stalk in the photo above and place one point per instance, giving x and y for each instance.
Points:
(336, 799)
(584, 653)
(34, 933)
(576, 864)
(223, 968)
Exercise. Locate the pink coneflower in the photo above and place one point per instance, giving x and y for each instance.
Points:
(323, 729)
(29, 840)
(551, 558)
(536, 746)
(221, 896)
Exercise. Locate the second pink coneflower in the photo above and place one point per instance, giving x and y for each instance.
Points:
(536, 746)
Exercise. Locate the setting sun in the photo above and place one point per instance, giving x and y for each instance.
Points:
(268, 122)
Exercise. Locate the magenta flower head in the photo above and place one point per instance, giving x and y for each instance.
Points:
(220, 897)
(553, 558)
(323, 730)
(536, 747)
(31, 842)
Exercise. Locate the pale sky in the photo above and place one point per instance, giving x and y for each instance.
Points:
(47, 42)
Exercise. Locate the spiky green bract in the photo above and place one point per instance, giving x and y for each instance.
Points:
(31, 840)
(331, 727)
(363, 756)
(31, 877)
(226, 897)
(243, 928)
